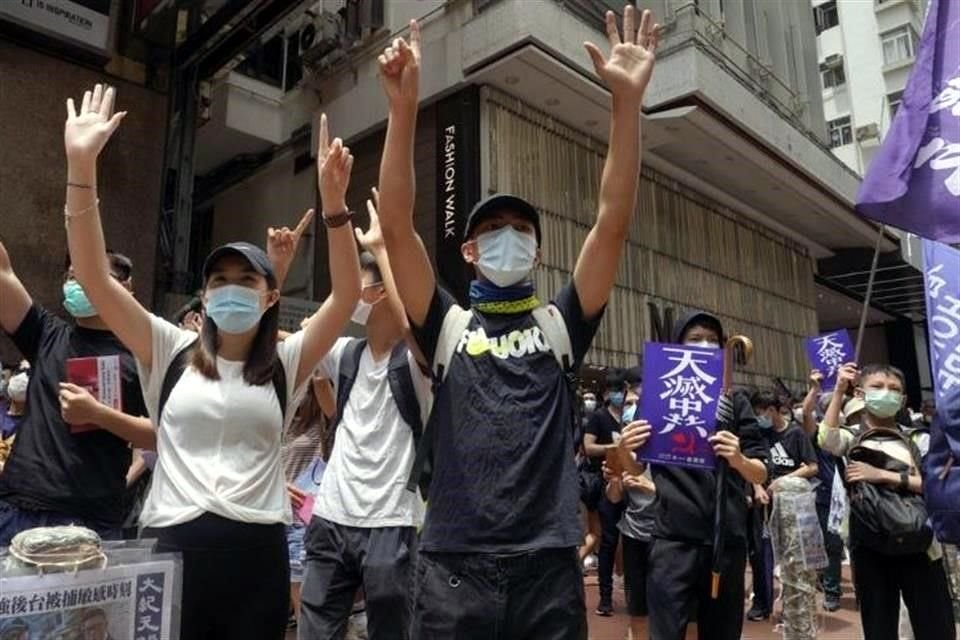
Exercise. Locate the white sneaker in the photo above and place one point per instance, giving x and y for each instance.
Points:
(590, 563)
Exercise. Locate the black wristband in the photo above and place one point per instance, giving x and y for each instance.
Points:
(904, 480)
(337, 219)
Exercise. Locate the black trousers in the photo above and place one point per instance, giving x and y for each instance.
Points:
(760, 553)
(529, 596)
(881, 580)
(678, 583)
(610, 513)
(236, 578)
(341, 559)
(636, 554)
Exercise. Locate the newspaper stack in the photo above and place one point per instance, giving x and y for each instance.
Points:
(799, 550)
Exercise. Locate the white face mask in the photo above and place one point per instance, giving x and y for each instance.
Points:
(705, 344)
(17, 388)
(362, 313)
(506, 255)
(798, 414)
(590, 405)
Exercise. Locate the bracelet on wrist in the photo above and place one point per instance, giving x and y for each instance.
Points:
(77, 185)
(69, 215)
(332, 221)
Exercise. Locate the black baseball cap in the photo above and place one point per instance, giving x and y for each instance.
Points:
(253, 254)
(502, 202)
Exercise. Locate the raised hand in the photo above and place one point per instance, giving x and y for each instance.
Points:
(846, 377)
(86, 133)
(816, 379)
(282, 243)
(372, 240)
(628, 69)
(334, 165)
(400, 69)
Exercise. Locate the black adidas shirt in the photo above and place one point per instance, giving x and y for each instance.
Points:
(50, 469)
(789, 450)
(504, 478)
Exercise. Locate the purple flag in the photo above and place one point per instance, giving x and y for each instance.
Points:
(681, 387)
(941, 272)
(828, 353)
(914, 180)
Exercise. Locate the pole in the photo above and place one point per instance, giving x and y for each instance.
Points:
(866, 299)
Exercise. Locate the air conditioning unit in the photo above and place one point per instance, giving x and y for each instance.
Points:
(833, 61)
(868, 132)
(320, 34)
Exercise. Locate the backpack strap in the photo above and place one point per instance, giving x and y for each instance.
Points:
(179, 364)
(172, 376)
(347, 375)
(403, 391)
(554, 328)
(451, 332)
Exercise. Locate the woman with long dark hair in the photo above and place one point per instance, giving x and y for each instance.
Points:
(219, 400)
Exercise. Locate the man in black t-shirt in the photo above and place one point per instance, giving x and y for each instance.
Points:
(602, 431)
(498, 549)
(791, 453)
(55, 477)
(680, 563)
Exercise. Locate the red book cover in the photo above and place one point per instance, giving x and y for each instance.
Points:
(101, 377)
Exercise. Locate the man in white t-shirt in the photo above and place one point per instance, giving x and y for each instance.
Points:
(363, 531)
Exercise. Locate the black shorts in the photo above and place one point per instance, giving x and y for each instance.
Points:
(591, 489)
(635, 555)
(534, 596)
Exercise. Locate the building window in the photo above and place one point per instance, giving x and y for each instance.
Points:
(893, 102)
(825, 16)
(840, 131)
(832, 75)
(897, 45)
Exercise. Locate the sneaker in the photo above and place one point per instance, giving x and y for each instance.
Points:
(831, 603)
(756, 615)
(605, 609)
(590, 563)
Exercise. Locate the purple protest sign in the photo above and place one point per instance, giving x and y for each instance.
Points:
(913, 181)
(681, 387)
(828, 353)
(941, 270)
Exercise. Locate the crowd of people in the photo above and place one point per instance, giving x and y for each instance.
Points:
(434, 475)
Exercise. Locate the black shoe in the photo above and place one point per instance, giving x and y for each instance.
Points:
(756, 615)
(605, 609)
(831, 603)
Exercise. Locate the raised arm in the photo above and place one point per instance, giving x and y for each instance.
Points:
(372, 241)
(810, 403)
(400, 76)
(15, 299)
(334, 164)
(84, 136)
(626, 73)
(282, 246)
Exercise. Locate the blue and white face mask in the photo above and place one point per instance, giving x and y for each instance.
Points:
(234, 308)
(506, 255)
(629, 413)
(75, 300)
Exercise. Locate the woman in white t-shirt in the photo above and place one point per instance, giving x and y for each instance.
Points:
(219, 495)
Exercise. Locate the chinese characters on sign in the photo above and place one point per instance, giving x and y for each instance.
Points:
(941, 270)
(828, 353)
(680, 403)
(134, 601)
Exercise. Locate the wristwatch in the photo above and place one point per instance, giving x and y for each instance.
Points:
(337, 219)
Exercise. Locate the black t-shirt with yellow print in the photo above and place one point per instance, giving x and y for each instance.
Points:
(504, 478)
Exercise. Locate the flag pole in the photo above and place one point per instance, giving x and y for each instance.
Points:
(869, 293)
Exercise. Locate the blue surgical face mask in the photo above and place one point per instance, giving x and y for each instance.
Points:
(883, 403)
(616, 399)
(75, 300)
(765, 422)
(506, 255)
(629, 413)
(234, 308)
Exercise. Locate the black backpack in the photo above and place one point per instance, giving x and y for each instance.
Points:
(179, 364)
(404, 396)
(883, 518)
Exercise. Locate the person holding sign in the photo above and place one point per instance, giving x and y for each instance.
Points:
(221, 399)
(891, 546)
(498, 548)
(679, 571)
(54, 476)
